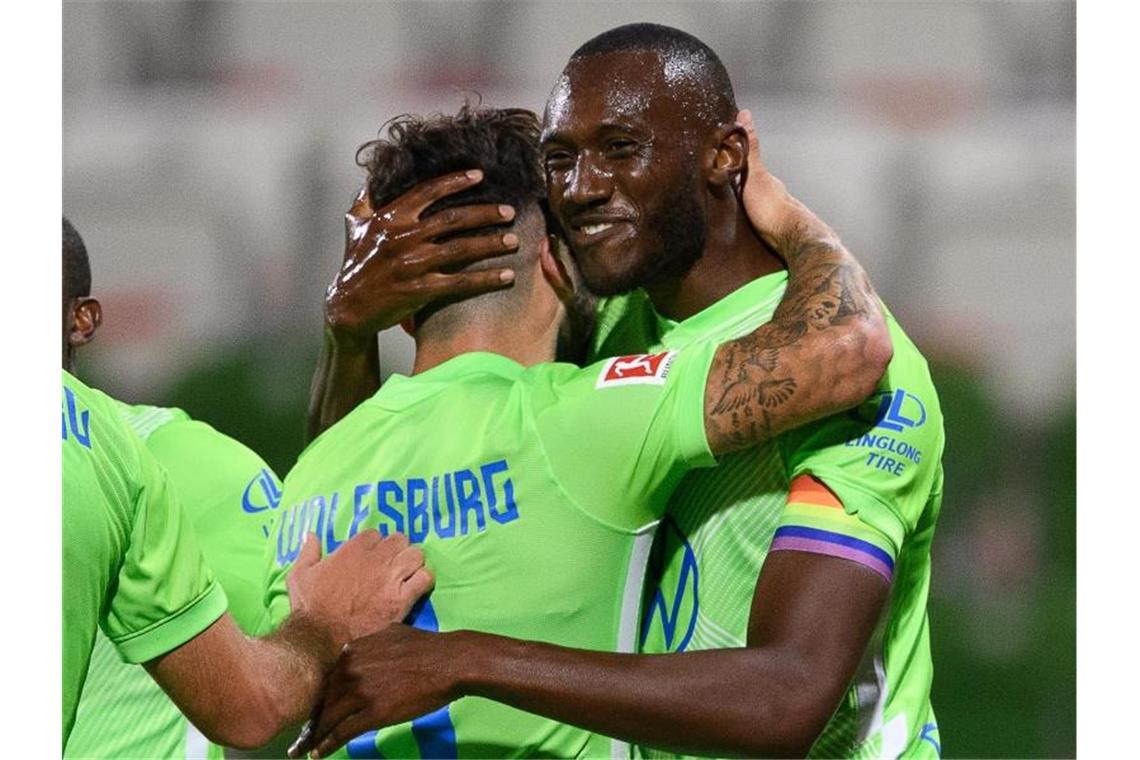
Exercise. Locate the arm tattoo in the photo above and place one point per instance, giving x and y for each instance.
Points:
(812, 358)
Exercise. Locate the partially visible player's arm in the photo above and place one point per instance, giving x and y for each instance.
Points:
(812, 618)
(241, 691)
(827, 345)
(348, 373)
(394, 265)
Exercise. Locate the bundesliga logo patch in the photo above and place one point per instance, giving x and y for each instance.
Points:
(638, 369)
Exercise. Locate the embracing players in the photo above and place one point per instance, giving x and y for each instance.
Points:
(802, 567)
(535, 487)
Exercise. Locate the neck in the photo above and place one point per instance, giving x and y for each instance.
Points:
(734, 256)
(517, 340)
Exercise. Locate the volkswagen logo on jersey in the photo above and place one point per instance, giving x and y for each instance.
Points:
(672, 603)
(895, 410)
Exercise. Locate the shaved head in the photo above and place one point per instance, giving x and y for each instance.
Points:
(76, 266)
(690, 68)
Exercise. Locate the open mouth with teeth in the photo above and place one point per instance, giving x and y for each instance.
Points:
(598, 230)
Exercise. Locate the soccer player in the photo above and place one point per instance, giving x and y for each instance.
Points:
(131, 567)
(534, 487)
(802, 566)
(230, 496)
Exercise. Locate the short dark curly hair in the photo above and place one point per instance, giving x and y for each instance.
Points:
(502, 142)
(76, 265)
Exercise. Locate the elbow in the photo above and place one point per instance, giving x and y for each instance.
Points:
(241, 732)
(871, 352)
(789, 724)
(799, 725)
(244, 726)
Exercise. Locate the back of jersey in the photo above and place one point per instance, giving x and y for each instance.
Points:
(534, 514)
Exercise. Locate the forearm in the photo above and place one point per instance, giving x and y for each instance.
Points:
(747, 702)
(824, 351)
(348, 372)
(240, 691)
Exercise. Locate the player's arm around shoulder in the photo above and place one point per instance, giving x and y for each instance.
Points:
(828, 343)
(620, 433)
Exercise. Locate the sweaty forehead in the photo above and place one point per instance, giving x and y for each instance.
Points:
(614, 88)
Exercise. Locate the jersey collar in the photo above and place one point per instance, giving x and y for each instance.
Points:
(398, 388)
(740, 304)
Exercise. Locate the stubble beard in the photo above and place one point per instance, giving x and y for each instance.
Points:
(680, 227)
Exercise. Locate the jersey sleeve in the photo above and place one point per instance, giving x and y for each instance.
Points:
(228, 493)
(275, 599)
(164, 594)
(878, 463)
(620, 433)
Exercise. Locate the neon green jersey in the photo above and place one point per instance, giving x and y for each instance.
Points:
(229, 494)
(131, 565)
(882, 461)
(534, 493)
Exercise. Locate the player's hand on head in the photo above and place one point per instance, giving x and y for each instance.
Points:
(395, 263)
(365, 584)
(385, 678)
(764, 196)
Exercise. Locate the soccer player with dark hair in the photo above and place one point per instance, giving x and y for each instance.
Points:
(801, 567)
(136, 588)
(534, 487)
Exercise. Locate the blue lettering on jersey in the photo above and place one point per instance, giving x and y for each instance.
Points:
(510, 509)
(297, 519)
(331, 542)
(78, 423)
(443, 528)
(899, 411)
(449, 505)
(467, 485)
(388, 490)
(417, 510)
(317, 510)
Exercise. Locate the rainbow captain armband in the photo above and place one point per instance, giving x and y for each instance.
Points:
(814, 521)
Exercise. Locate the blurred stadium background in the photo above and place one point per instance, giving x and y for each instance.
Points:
(208, 159)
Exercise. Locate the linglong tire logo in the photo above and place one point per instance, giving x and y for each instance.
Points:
(897, 410)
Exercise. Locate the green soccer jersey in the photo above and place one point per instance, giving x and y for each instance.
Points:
(230, 496)
(882, 460)
(131, 565)
(534, 493)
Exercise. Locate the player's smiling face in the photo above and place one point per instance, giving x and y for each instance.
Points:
(620, 162)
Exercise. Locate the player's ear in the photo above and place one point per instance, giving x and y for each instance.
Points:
(726, 157)
(551, 251)
(87, 315)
